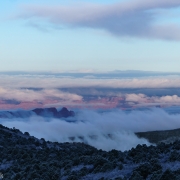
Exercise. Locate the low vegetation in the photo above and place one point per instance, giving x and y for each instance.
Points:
(24, 157)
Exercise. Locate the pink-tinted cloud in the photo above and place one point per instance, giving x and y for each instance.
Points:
(44, 91)
(55, 82)
(30, 95)
(26, 98)
(144, 100)
(135, 18)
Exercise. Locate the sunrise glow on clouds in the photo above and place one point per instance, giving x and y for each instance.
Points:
(85, 41)
(44, 90)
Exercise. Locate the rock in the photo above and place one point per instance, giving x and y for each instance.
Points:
(45, 112)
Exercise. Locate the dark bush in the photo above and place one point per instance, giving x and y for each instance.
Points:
(136, 176)
(144, 170)
(167, 175)
(174, 156)
(72, 177)
(99, 161)
(107, 167)
(26, 133)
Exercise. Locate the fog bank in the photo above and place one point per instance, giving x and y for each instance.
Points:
(103, 130)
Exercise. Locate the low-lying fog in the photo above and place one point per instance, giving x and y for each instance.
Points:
(104, 130)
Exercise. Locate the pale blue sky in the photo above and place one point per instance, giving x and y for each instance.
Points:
(148, 38)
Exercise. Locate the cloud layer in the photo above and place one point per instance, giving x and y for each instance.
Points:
(107, 130)
(134, 18)
(31, 95)
(47, 91)
(47, 81)
(143, 100)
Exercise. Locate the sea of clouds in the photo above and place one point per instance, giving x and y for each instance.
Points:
(106, 130)
(112, 128)
(63, 89)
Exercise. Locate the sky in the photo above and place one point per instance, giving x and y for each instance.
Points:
(117, 61)
(87, 36)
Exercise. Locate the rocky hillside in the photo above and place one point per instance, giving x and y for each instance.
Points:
(166, 136)
(24, 157)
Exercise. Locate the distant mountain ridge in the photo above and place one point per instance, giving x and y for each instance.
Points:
(156, 137)
(44, 112)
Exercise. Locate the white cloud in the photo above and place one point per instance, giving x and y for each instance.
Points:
(134, 18)
(145, 100)
(118, 124)
(31, 95)
(58, 82)
(136, 98)
(20, 88)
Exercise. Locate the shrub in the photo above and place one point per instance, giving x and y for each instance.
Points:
(174, 156)
(167, 175)
(144, 170)
(26, 133)
(136, 176)
(107, 167)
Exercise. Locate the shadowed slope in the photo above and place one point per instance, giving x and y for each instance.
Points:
(158, 136)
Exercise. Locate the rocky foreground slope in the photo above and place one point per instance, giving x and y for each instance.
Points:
(24, 157)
